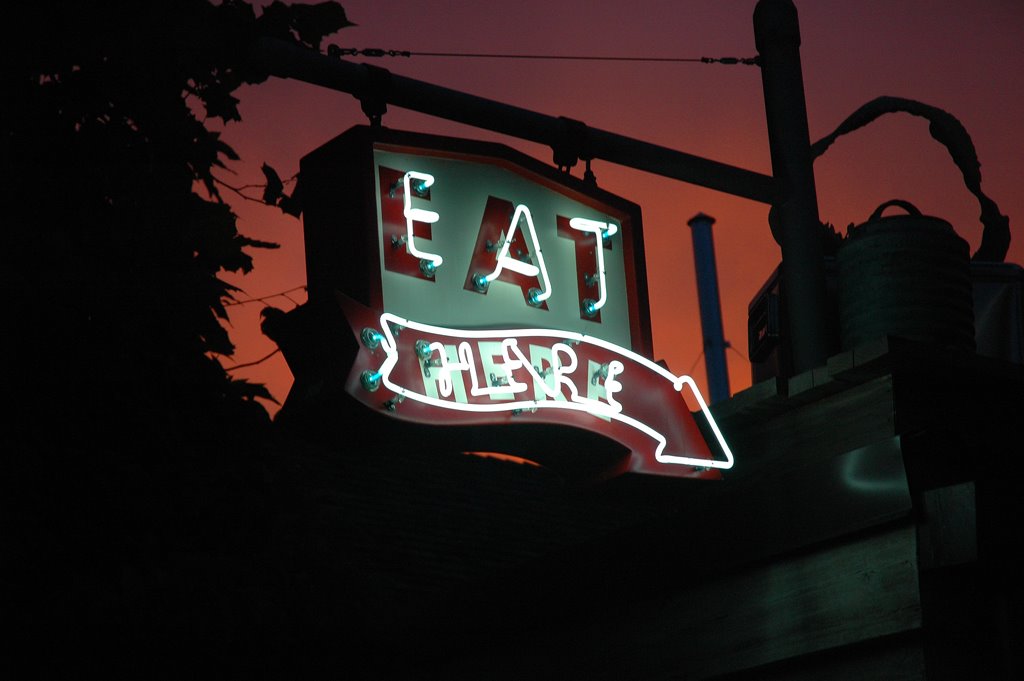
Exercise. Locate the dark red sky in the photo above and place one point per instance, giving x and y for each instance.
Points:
(963, 57)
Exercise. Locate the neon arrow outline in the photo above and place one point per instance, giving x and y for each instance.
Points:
(390, 347)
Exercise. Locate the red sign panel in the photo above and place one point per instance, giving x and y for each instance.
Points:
(487, 288)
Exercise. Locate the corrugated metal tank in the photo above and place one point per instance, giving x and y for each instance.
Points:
(905, 275)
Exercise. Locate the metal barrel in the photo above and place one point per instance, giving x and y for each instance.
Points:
(907, 276)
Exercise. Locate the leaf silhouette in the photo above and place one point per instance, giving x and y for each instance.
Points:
(292, 205)
(274, 189)
(308, 24)
(313, 22)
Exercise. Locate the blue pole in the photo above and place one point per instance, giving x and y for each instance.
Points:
(710, 307)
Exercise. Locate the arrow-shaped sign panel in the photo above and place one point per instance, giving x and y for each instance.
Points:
(429, 374)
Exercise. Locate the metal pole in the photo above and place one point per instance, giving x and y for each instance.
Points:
(570, 139)
(794, 215)
(710, 307)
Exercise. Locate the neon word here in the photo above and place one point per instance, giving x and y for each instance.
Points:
(553, 382)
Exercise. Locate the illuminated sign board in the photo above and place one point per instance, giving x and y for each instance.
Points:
(486, 288)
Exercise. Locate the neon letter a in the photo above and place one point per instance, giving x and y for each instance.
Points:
(507, 250)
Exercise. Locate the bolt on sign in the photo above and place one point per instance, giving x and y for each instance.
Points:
(486, 288)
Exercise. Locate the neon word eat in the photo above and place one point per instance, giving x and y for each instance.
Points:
(507, 247)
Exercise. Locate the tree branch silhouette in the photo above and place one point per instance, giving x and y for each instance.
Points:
(106, 138)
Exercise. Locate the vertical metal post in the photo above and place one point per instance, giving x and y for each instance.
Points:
(710, 307)
(794, 216)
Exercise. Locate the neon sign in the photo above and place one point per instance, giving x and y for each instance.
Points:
(485, 288)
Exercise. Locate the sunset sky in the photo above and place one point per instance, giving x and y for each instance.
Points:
(963, 57)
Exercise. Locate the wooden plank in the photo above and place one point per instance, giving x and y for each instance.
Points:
(841, 422)
(856, 591)
(898, 658)
(862, 590)
(947, 532)
(813, 498)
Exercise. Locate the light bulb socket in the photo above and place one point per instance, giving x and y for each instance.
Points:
(422, 348)
(371, 338)
(370, 380)
(428, 268)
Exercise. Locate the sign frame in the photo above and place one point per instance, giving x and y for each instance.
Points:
(340, 213)
(572, 372)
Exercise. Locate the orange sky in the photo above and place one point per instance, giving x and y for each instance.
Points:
(963, 57)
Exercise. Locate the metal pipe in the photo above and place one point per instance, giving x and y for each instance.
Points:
(569, 139)
(710, 307)
(794, 216)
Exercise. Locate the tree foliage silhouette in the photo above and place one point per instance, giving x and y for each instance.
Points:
(144, 499)
(121, 232)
